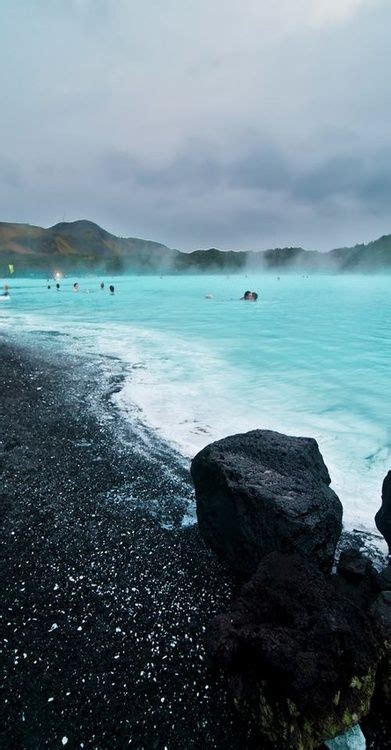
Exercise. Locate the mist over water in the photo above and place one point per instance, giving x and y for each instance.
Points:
(311, 357)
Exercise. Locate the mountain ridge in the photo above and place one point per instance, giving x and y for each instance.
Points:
(84, 247)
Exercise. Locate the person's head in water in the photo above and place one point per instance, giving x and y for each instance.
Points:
(57, 286)
(250, 296)
(49, 287)
(102, 285)
(76, 287)
(111, 289)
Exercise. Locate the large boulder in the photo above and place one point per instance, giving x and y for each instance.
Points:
(300, 657)
(263, 491)
(383, 516)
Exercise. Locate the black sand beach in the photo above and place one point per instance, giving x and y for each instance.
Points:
(104, 609)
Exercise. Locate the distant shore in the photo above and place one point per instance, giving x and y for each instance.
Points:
(84, 247)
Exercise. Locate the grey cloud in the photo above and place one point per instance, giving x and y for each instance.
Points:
(195, 166)
(365, 177)
(118, 166)
(192, 166)
(10, 173)
(263, 168)
(335, 176)
(264, 199)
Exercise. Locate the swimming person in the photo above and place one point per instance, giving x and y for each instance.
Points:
(6, 291)
(76, 287)
(111, 289)
(102, 285)
(250, 296)
(58, 287)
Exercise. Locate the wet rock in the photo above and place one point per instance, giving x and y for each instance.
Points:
(263, 491)
(300, 657)
(365, 542)
(383, 516)
(353, 739)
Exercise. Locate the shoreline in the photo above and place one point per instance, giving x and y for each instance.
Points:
(107, 596)
(106, 609)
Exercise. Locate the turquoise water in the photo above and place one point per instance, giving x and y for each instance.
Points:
(311, 357)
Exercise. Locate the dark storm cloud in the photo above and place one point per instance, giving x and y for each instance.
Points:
(196, 166)
(366, 177)
(338, 175)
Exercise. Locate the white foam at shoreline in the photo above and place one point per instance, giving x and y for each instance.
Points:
(191, 413)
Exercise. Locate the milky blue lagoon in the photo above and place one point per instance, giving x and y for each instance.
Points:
(311, 357)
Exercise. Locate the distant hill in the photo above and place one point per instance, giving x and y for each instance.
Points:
(210, 260)
(375, 256)
(78, 246)
(84, 247)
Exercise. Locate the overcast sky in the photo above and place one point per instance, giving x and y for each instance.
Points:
(199, 123)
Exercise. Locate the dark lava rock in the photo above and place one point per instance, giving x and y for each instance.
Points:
(385, 578)
(353, 565)
(301, 658)
(377, 725)
(381, 611)
(261, 492)
(357, 578)
(383, 516)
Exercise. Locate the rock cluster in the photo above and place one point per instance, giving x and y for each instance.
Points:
(304, 650)
(298, 653)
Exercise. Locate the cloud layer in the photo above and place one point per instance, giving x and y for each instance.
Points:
(199, 123)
